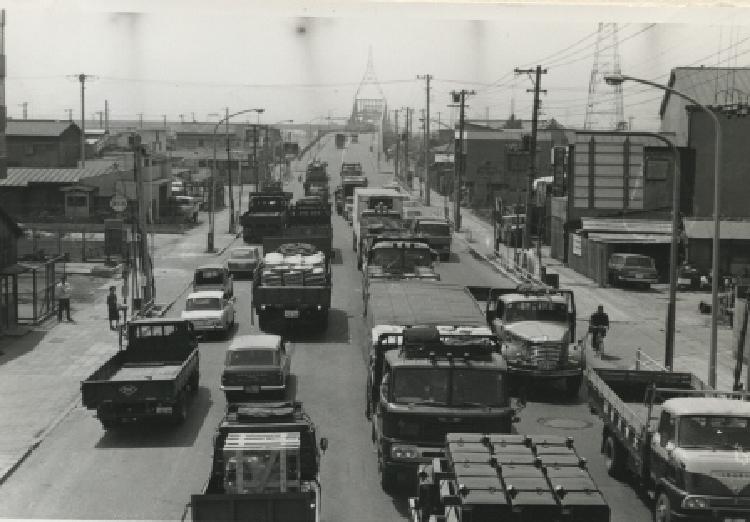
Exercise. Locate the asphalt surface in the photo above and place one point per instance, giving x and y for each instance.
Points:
(149, 472)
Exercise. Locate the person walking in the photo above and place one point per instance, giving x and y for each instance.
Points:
(114, 312)
(63, 291)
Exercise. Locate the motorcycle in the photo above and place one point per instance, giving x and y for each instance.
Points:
(598, 333)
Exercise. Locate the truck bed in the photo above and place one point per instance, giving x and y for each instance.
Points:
(292, 295)
(144, 371)
(270, 507)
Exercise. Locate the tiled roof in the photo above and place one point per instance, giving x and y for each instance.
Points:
(709, 85)
(21, 177)
(37, 127)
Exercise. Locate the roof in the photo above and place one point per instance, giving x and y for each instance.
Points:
(211, 266)
(219, 294)
(707, 85)
(704, 229)
(39, 128)
(631, 238)
(22, 176)
(626, 226)
(249, 342)
(525, 298)
(706, 406)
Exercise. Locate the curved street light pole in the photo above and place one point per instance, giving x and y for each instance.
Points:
(617, 79)
(212, 192)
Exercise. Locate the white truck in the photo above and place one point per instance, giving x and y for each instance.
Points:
(388, 201)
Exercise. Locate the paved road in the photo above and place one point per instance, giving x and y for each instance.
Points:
(82, 472)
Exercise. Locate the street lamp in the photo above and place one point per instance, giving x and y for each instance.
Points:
(211, 218)
(617, 79)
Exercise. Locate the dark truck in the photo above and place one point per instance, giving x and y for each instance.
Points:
(425, 382)
(496, 477)
(398, 256)
(152, 377)
(685, 443)
(351, 178)
(291, 294)
(437, 233)
(536, 329)
(316, 180)
(266, 466)
(266, 215)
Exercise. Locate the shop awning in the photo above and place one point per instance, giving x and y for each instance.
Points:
(704, 229)
(656, 239)
(626, 226)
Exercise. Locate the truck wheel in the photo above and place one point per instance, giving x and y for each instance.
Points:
(613, 457)
(573, 386)
(323, 321)
(662, 508)
(262, 320)
(387, 477)
(108, 424)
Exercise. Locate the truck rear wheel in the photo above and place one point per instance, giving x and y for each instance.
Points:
(387, 477)
(613, 457)
(262, 320)
(662, 508)
(108, 424)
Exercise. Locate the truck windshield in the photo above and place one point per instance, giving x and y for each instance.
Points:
(209, 277)
(203, 303)
(400, 259)
(447, 387)
(643, 262)
(714, 431)
(251, 357)
(536, 311)
(435, 229)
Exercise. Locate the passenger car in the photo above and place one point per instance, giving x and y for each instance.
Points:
(213, 276)
(255, 364)
(209, 311)
(636, 269)
(243, 260)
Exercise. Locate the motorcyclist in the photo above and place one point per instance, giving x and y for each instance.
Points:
(598, 326)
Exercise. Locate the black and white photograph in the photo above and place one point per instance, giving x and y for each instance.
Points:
(369, 261)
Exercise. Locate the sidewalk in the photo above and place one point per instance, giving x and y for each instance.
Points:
(41, 372)
(637, 318)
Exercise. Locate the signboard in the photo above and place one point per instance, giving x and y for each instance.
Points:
(118, 203)
(576, 245)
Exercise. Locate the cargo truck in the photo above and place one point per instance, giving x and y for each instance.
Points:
(393, 256)
(349, 182)
(296, 289)
(686, 444)
(316, 180)
(153, 377)
(536, 327)
(266, 466)
(266, 215)
(437, 232)
(386, 202)
(496, 477)
(307, 220)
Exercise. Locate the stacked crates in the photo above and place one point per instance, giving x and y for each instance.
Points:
(262, 463)
(294, 268)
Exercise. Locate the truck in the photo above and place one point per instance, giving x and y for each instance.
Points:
(492, 477)
(316, 180)
(433, 368)
(292, 285)
(375, 223)
(308, 220)
(384, 201)
(351, 178)
(678, 439)
(266, 466)
(340, 140)
(266, 215)
(153, 377)
(396, 256)
(536, 326)
(437, 232)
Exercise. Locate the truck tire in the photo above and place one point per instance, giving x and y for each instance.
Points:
(573, 386)
(614, 457)
(662, 507)
(387, 477)
(108, 424)
(262, 320)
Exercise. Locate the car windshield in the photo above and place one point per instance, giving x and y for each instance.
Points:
(640, 261)
(447, 387)
(203, 303)
(436, 229)
(244, 253)
(714, 431)
(212, 276)
(536, 311)
(251, 357)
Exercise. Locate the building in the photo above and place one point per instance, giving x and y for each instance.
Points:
(43, 143)
(9, 271)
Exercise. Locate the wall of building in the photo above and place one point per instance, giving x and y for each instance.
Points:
(43, 199)
(42, 151)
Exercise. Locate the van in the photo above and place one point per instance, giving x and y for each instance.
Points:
(635, 269)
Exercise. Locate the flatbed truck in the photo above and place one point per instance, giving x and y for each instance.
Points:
(153, 377)
(678, 440)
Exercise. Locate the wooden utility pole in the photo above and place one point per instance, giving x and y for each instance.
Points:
(538, 71)
(406, 148)
(398, 148)
(458, 155)
(82, 79)
(427, 78)
(229, 175)
(255, 158)
(106, 116)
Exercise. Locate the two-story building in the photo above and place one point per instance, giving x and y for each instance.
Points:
(43, 143)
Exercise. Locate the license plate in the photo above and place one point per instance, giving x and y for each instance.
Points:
(166, 410)
(291, 314)
(547, 365)
(252, 389)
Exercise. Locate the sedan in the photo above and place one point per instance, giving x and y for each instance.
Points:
(209, 311)
(243, 261)
(255, 365)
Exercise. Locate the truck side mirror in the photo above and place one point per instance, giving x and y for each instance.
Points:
(323, 444)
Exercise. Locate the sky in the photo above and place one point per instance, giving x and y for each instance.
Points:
(306, 60)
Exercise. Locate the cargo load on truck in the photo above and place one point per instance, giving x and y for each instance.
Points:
(266, 215)
(683, 442)
(266, 463)
(292, 284)
(153, 377)
(494, 477)
(308, 220)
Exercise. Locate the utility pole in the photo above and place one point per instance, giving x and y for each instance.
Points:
(229, 175)
(140, 120)
(164, 121)
(82, 79)
(70, 114)
(255, 158)
(427, 78)
(143, 255)
(101, 118)
(266, 154)
(406, 148)
(25, 106)
(106, 116)
(182, 118)
(458, 156)
(538, 71)
(398, 147)
(192, 116)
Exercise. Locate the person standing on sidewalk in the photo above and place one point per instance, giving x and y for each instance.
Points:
(113, 311)
(63, 291)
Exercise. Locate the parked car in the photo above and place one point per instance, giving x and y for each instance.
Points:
(209, 311)
(255, 364)
(188, 206)
(635, 269)
(243, 261)
(213, 276)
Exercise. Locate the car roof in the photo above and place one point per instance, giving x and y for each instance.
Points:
(210, 266)
(245, 248)
(206, 293)
(252, 342)
(706, 406)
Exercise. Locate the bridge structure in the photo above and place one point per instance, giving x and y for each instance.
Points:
(370, 109)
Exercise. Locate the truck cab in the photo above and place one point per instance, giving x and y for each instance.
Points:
(402, 258)
(437, 232)
(424, 382)
(213, 276)
(265, 216)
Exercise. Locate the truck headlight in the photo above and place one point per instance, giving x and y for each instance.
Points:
(400, 451)
(695, 503)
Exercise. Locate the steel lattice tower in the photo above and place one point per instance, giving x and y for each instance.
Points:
(604, 108)
(369, 100)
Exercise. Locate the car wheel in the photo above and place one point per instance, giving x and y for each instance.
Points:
(613, 457)
(662, 508)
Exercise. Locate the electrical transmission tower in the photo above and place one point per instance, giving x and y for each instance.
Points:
(604, 108)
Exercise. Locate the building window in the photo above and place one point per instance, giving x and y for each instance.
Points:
(77, 201)
(656, 169)
(28, 149)
(200, 143)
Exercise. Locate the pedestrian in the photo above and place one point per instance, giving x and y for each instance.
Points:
(114, 312)
(63, 291)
